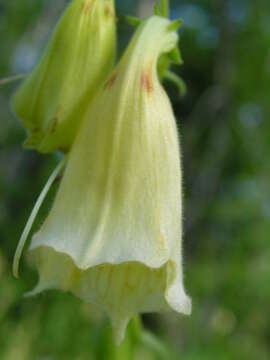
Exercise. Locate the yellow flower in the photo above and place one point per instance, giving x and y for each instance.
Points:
(78, 58)
(113, 236)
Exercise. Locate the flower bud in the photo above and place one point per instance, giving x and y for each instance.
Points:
(51, 101)
(113, 236)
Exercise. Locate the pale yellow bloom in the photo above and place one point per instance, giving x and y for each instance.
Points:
(113, 236)
(51, 101)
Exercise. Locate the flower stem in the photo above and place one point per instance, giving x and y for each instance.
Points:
(32, 217)
(164, 7)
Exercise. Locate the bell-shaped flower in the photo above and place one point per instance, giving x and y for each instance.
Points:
(79, 57)
(113, 236)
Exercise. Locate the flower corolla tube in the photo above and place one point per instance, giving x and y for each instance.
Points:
(113, 235)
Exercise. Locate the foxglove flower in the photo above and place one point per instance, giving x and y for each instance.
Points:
(113, 236)
(51, 101)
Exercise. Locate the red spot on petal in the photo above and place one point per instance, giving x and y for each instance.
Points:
(109, 83)
(146, 81)
(86, 7)
(54, 125)
(55, 120)
(63, 149)
(57, 179)
(35, 130)
(108, 11)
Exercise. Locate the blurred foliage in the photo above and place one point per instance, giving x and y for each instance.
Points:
(224, 130)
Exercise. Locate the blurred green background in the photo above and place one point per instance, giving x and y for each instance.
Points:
(225, 137)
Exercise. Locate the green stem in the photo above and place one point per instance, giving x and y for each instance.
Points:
(164, 7)
(11, 79)
(33, 215)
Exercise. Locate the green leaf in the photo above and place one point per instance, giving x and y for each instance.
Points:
(133, 20)
(33, 216)
(175, 56)
(177, 81)
(175, 24)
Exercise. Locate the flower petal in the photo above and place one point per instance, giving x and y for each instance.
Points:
(116, 219)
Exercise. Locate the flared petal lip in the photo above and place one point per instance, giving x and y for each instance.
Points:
(113, 260)
(175, 295)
